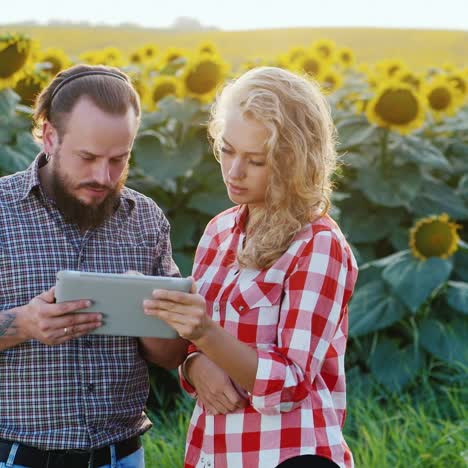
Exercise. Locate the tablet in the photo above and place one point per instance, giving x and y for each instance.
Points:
(119, 297)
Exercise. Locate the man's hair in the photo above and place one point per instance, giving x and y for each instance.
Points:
(300, 152)
(107, 87)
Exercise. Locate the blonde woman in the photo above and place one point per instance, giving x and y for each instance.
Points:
(268, 316)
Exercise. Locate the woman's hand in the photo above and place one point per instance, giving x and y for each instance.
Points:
(185, 312)
(214, 387)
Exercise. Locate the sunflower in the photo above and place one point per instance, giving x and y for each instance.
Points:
(293, 54)
(15, 53)
(442, 97)
(202, 75)
(331, 80)
(91, 57)
(136, 57)
(139, 83)
(148, 52)
(345, 57)
(251, 63)
(397, 106)
(162, 86)
(411, 78)
(325, 48)
(310, 63)
(30, 85)
(460, 82)
(391, 67)
(55, 60)
(175, 57)
(112, 57)
(207, 46)
(434, 236)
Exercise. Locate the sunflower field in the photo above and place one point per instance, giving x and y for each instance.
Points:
(401, 193)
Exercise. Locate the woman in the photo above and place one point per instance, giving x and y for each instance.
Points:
(274, 275)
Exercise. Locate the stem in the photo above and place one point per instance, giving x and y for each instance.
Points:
(384, 146)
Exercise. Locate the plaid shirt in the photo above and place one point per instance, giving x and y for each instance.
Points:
(90, 391)
(295, 315)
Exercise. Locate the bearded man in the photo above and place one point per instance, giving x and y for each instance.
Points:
(69, 398)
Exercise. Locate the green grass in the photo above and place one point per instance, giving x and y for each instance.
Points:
(426, 429)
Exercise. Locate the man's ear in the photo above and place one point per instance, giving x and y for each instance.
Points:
(50, 138)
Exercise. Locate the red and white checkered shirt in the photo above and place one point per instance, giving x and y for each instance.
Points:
(295, 315)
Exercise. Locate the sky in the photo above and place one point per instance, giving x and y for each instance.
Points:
(248, 14)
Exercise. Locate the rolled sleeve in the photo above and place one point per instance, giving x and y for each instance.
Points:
(310, 315)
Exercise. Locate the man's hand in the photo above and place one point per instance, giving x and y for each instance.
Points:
(52, 323)
(214, 387)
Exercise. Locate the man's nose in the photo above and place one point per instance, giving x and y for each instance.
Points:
(102, 174)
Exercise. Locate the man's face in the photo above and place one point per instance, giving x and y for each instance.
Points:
(89, 167)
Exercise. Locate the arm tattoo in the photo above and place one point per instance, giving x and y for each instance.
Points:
(7, 325)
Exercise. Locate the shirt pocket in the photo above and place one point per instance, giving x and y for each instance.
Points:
(252, 311)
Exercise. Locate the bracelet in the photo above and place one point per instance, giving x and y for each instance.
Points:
(182, 367)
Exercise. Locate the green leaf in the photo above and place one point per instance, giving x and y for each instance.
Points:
(363, 223)
(400, 238)
(437, 197)
(461, 265)
(394, 367)
(354, 132)
(182, 231)
(12, 161)
(355, 159)
(446, 341)
(390, 186)
(184, 261)
(188, 113)
(373, 308)
(417, 150)
(462, 189)
(457, 296)
(8, 102)
(413, 281)
(210, 203)
(161, 162)
(27, 146)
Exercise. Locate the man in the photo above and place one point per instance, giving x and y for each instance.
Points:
(67, 398)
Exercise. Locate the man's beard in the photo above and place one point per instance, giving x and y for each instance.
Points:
(74, 211)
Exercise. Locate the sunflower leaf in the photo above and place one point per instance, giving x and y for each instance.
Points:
(394, 367)
(437, 197)
(8, 101)
(457, 296)
(390, 186)
(373, 308)
(446, 341)
(413, 281)
(417, 150)
(162, 162)
(12, 161)
(354, 132)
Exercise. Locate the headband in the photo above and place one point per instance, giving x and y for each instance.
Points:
(85, 73)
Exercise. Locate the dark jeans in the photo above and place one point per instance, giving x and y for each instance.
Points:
(307, 461)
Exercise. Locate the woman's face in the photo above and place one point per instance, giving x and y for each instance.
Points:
(243, 159)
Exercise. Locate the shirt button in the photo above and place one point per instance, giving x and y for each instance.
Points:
(87, 343)
(216, 307)
(241, 308)
(90, 388)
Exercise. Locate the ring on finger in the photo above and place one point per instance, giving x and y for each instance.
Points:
(65, 331)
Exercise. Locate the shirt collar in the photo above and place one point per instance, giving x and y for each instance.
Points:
(31, 181)
(241, 217)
